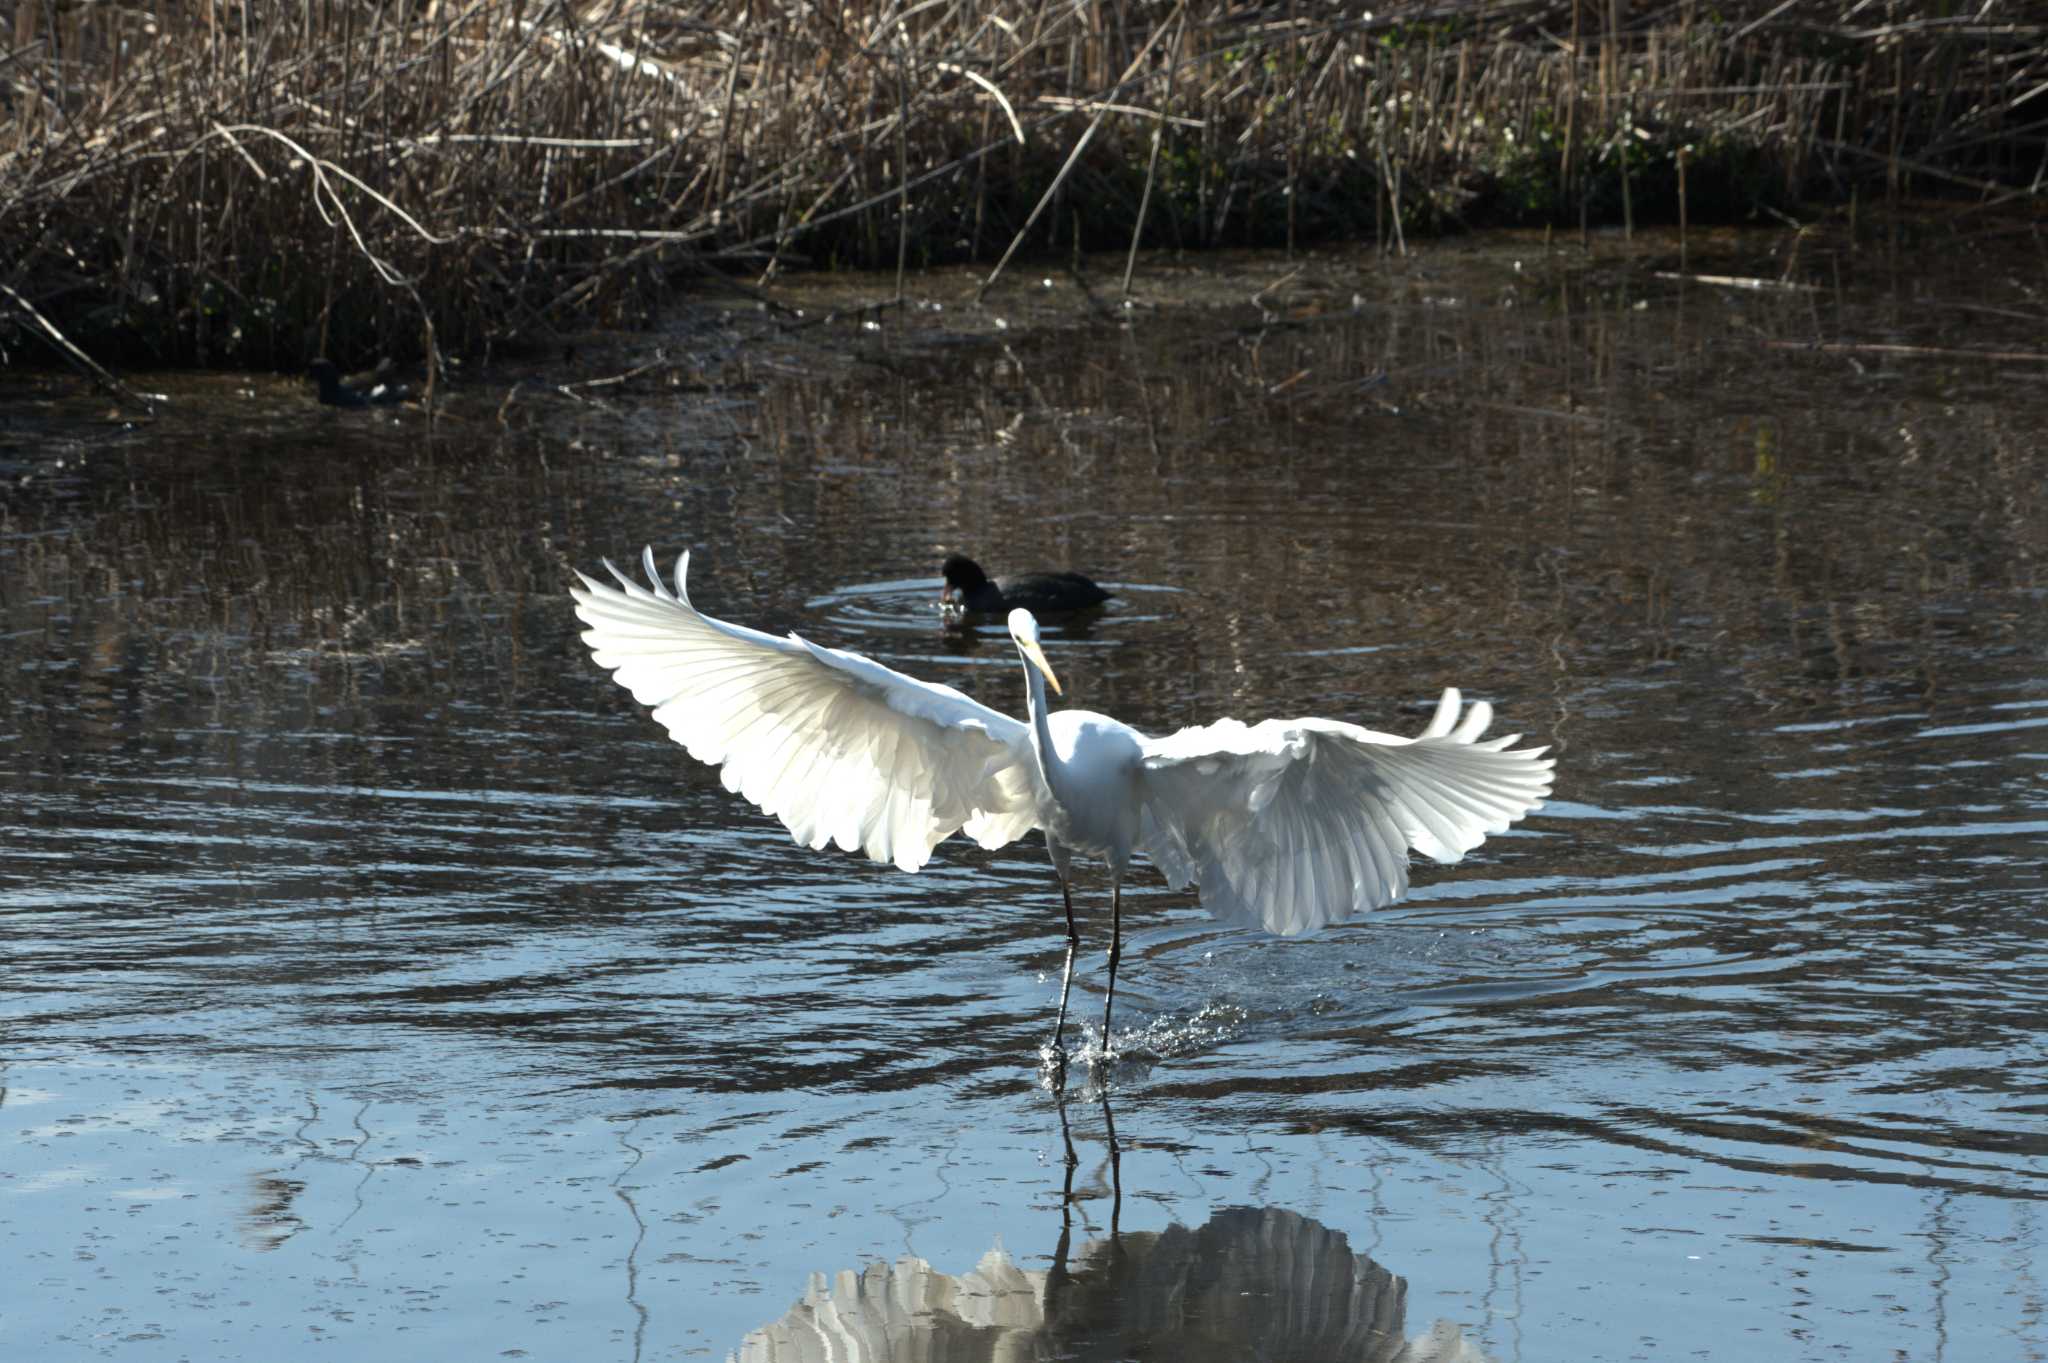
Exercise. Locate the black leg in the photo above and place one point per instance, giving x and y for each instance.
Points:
(1057, 1278)
(1067, 975)
(1116, 952)
(1066, 1139)
(1116, 1167)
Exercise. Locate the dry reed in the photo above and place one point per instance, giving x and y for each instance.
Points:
(251, 185)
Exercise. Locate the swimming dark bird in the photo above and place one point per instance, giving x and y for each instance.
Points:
(335, 393)
(969, 589)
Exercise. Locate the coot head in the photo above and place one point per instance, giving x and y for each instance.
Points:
(964, 578)
(333, 391)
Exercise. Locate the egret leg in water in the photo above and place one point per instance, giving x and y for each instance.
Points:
(1287, 825)
(1116, 953)
(1059, 1024)
(1116, 926)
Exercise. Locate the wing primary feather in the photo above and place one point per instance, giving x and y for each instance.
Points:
(1446, 715)
(1295, 824)
(834, 745)
(1475, 722)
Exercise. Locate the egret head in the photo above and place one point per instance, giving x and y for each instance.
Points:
(963, 575)
(1024, 633)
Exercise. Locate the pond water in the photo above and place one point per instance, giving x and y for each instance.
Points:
(381, 982)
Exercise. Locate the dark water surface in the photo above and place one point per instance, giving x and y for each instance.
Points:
(381, 983)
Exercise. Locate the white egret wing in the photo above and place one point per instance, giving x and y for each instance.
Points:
(1290, 825)
(837, 746)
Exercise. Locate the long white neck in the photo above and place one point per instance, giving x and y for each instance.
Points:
(1041, 733)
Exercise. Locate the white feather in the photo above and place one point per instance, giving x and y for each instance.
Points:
(840, 748)
(1290, 825)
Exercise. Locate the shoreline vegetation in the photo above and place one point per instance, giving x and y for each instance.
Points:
(253, 185)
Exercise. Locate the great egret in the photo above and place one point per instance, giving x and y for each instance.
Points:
(1287, 825)
(1043, 593)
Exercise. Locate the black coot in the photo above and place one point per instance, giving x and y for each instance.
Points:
(336, 392)
(969, 589)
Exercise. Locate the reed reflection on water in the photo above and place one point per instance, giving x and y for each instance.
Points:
(369, 956)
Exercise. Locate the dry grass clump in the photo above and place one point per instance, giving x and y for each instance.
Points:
(254, 184)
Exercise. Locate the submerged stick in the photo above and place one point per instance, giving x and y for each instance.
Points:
(1393, 183)
(1728, 281)
(1938, 352)
(147, 401)
(1682, 224)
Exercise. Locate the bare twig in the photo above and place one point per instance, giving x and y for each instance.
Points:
(146, 401)
(1724, 281)
(1916, 351)
(1079, 146)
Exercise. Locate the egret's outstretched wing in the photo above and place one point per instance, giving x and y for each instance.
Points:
(1293, 824)
(838, 747)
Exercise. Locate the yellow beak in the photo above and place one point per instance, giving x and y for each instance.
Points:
(1037, 657)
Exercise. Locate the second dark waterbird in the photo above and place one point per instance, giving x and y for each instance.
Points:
(335, 391)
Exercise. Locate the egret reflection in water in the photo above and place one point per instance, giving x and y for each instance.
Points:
(268, 1218)
(1249, 1283)
(1286, 825)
